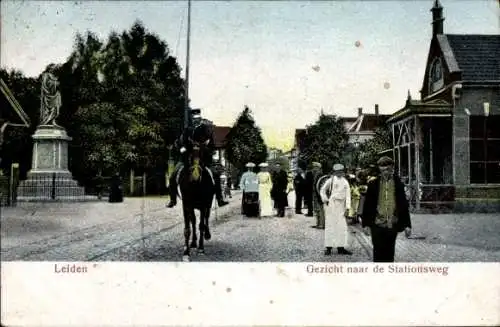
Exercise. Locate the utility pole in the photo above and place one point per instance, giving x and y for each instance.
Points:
(186, 109)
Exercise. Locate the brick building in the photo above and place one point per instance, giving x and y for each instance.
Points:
(448, 142)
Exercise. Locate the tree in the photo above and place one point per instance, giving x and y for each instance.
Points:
(325, 140)
(369, 151)
(122, 102)
(17, 143)
(134, 82)
(245, 142)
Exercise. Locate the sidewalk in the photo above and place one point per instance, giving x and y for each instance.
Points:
(447, 238)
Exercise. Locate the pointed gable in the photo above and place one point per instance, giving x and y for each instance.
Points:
(470, 58)
(439, 65)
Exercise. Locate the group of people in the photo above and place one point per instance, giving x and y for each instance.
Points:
(266, 189)
(380, 206)
(374, 198)
(377, 200)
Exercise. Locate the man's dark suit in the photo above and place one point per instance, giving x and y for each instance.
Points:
(204, 136)
(298, 185)
(308, 192)
(384, 239)
(278, 191)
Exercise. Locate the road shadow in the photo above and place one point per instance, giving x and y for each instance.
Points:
(12, 226)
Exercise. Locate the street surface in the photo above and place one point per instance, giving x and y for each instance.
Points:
(144, 230)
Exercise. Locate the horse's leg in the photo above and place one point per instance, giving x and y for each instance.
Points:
(207, 234)
(208, 209)
(201, 246)
(187, 231)
(193, 227)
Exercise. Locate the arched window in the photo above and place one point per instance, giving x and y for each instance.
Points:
(436, 76)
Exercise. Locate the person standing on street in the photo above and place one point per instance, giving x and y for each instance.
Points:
(386, 211)
(362, 182)
(308, 192)
(319, 210)
(336, 197)
(265, 187)
(280, 181)
(229, 184)
(355, 198)
(249, 184)
(116, 189)
(298, 185)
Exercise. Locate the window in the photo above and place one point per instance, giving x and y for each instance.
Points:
(436, 80)
(484, 149)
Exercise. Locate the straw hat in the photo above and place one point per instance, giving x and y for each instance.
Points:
(338, 167)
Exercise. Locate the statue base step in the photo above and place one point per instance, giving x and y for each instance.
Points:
(51, 186)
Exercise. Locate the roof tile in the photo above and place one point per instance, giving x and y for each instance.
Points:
(478, 56)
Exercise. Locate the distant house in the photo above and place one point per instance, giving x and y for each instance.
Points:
(273, 153)
(446, 145)
(362, 128)
(220, 139)
(359, 129)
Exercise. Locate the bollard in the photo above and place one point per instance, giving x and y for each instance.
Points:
(53, 189)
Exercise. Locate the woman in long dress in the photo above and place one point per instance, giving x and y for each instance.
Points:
(265, 186)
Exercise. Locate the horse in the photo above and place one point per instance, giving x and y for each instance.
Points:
(197, 190)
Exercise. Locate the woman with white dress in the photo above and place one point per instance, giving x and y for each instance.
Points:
(265, 186)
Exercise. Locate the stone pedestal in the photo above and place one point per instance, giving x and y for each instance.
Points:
(49, 178)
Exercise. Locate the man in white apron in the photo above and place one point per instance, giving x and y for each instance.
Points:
(336, 196)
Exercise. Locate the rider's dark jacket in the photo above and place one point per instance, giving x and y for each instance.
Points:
(199, 134)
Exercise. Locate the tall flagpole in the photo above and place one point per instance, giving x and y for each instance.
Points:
(186, 109)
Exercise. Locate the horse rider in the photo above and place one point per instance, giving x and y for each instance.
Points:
(202, 134)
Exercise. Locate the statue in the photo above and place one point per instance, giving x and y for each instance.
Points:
(50, 100)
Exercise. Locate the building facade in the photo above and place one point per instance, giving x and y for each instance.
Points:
(447, 144)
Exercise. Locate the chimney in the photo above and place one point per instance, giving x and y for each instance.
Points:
(360, 111)
(437, 19)
(376, 109)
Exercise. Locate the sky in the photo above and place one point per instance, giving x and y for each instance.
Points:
(286, 60)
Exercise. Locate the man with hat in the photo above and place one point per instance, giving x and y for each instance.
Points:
(336, 197)
(386, 211)
(202, 134)
(249, 184)
(298, 186)
(319, 211)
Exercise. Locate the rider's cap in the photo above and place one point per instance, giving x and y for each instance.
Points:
(196, 112)
(250, 165)
(338, 167)
(264, 164)
(316, 164)
(385, 161)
